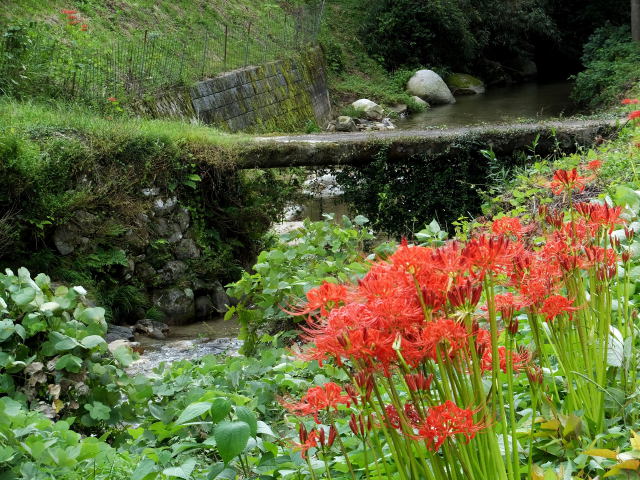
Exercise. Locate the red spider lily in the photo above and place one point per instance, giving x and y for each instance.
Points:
(74, 22)
(467, 295)
(84, 27)
(443, 338)
(418, 382)
(600, 214)
(445, 421)
(630, 101)
(557, 305)
(634, 115)
(68, 12)
(333, 432)
(307, 440)
(519, 360)
(318, 399)
(359, 426)
(392, 417)
(567, 180)
(323, 298)
(510, 226)
(112, 99)
(412, 414)
(594, 165)
(535, 374)
(490, 254)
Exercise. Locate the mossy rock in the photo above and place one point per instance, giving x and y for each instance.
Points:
(463, 84)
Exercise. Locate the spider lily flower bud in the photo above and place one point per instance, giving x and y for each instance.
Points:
(333, 433)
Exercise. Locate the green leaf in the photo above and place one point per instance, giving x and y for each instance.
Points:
(247, 416)
(123, 356)
(6, 329)
(144, 470)
(183, 471)
(69, 362)
(6, 454)
(192, 411)
(231, 439)
(92, 315)
(92, 341)
(24, 296)
(625, 196)
(67, 343)
(98, 411)
(220, 408)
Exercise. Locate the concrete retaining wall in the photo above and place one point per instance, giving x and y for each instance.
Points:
(282, 95)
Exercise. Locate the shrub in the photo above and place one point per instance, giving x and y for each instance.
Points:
(53, 355)
(612, 66)
(301, 260)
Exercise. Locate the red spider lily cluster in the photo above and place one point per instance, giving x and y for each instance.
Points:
(424, 332)
(73, 20)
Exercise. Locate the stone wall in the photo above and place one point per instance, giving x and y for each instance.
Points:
(282, 95)
(161, 253)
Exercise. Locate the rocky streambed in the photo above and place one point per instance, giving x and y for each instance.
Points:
(158, 344)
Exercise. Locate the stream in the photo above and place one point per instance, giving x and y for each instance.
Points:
(497, 105)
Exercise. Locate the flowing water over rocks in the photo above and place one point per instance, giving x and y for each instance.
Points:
(189, 342)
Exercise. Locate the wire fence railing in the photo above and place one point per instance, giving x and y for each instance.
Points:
(35, 62)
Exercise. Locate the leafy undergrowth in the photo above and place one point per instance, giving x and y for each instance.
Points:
(509, 353)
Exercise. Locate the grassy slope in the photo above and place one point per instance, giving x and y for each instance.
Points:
(184, 19)
(353, 73)
(29, 116)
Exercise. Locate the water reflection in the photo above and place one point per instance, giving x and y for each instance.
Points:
(497, 105)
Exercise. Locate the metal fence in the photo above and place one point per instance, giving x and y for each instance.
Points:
(141, 64)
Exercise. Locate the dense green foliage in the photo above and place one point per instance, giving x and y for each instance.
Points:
(401, 195)
(299, 261)
(61, 162)
(612, 66)
(52, 352)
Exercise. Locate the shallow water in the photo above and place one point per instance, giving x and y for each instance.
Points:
(497, 105)
(188, 342)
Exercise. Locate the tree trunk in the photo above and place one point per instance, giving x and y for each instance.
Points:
(635, 20)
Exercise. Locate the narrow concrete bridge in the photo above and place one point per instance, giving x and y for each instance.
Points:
(360, 148)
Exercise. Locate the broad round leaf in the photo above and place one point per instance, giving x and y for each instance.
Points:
(231, 439)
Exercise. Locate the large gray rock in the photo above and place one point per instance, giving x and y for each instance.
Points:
(346, 124)
(177, 304)
(372, 110)
(429, 86)
(463, 84)
(117, 332)
(186, 249)
(152, 329)
(172, 272)
(220, 299)
(75, 234)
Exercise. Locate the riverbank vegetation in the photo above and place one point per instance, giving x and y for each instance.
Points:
(509, 351)
(79, 192)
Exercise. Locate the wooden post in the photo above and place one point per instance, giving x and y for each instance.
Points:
(635, 20)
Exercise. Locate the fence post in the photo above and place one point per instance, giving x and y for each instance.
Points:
(204, 53)
(226, 39)
(246, 46)
(144, 55)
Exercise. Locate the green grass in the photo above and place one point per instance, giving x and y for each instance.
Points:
(32, 115)
(129, 49)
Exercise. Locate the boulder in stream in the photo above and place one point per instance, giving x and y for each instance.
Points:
(463, 84)
(371, 110)
(429, 86)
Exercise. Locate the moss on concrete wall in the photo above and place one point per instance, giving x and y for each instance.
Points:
(279, 96)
